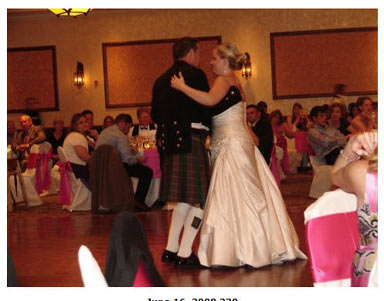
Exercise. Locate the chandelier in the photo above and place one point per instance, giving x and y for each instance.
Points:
(71, 12)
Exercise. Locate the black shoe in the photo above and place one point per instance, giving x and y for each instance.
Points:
(168, 256)
(190, 262)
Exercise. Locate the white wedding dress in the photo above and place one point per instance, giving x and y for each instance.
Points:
(245, 220)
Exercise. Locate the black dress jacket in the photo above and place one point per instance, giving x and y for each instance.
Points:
(263, 130)
(173, 111)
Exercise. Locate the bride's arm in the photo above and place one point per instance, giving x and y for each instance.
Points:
(219, 89)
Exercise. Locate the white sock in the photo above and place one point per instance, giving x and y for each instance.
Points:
(179, 216)
(191, 227)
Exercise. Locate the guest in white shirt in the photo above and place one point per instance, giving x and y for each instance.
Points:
(76, 147)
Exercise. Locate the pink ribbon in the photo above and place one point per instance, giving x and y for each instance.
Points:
(301, 142)
(65, 186)
(153, 162)
(331, 244)
(42, 179)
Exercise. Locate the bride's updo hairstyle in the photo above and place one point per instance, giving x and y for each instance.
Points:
(230, 52)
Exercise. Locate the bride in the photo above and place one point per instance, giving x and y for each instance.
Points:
(245, 220)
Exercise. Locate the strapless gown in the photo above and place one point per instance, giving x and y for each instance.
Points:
(245, 220)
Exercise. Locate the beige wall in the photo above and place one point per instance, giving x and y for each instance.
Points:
(80, 39)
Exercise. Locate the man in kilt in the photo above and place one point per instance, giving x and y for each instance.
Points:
(183, 126)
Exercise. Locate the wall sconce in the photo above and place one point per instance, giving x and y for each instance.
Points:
(78, 76)
(70, 12)
(247, 67)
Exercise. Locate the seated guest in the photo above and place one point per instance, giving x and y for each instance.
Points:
(108, 121)
(92, 133)
(263, 131)
(359, 176)
(297, 120)
(11, 131)
(281, 131)
(76, 148)
(30, 134)
(145, 127)
(116, 136)
(353, 111)
(336, 120)
(324, 140)
(56, 138)
(364, 121)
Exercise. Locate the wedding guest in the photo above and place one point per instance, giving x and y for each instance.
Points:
(108, 121)
(364, 121)
(336, 119)
(324, 140)
(356, 171)
(57, 136)
(11, 131)
(262, 129)
(76, 148)
(30, 134)
(353, 111)
(116, 135)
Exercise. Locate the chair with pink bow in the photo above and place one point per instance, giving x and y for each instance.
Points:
(39, 164)
(37, 178)
(74, 195)
(332, 236)
(153, 162)
(321, 180)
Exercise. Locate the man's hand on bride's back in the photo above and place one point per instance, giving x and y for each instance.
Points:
(177, 82)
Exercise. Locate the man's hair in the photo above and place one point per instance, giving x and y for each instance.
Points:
(251, 106)
(181, 47)
(123, 117)
(85, 112)
(315, 111)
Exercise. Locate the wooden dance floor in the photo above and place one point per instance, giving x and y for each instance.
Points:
(43, 242)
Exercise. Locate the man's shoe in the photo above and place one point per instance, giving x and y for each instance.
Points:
(190, 262)
(168, 256)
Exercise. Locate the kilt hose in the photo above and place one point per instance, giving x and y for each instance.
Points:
(185, 176)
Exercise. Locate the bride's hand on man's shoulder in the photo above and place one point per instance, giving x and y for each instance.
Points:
(177, 82)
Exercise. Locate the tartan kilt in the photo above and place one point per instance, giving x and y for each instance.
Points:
(185, 176)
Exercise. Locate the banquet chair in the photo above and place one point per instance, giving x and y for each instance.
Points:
(17, 195)
(39, 166)
(27, 186)
(73, 191)
(321, 181)
(332, 236)
(129, 260)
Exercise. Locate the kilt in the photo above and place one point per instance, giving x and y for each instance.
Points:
(185, 176)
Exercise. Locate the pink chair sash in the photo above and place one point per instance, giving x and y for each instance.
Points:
(153, 162)
(141, 278)
(301, 144)
(282, 142)
(65, 185)
(42, 178)
(331, 243)
(273, 166)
